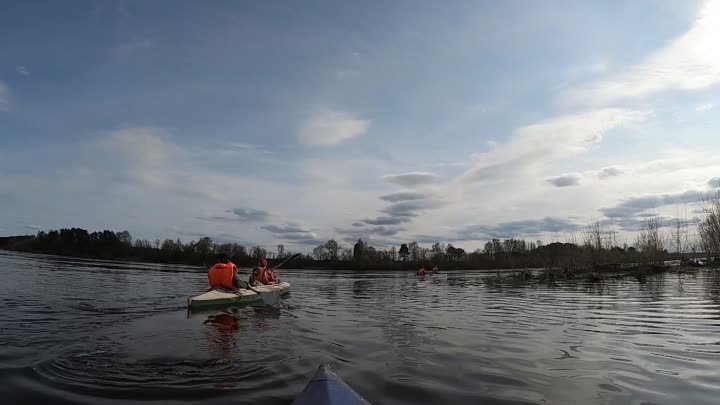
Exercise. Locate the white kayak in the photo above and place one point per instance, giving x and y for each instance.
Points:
(221, 297)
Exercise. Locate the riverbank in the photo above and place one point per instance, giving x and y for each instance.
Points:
(507, 254)
(639, 272)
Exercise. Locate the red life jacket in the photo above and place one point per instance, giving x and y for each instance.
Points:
(221, 275)
(266, 277)
(263, 276)
(421, 273)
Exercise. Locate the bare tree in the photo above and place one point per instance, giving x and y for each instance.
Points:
(593, 236)
(680, 234)
(650, 240)
(414, 251)
(393, 254)
(709, 226)
(571, 238)
(346, 254)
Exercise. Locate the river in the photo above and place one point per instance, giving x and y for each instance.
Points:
(95, 332)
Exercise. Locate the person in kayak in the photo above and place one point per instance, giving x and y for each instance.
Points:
(422, 272)
(261, 275)
(224, 274)
(435, 270)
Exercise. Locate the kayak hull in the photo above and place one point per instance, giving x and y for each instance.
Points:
(221, 298)
(327, 388)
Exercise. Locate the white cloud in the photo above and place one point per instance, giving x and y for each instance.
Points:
(705, 107)
(330, 128)
(144, 147)
(5, 97)
(23, 70)
(690, 62)
(535, 145)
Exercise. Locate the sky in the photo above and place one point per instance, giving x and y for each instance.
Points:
(292, 123)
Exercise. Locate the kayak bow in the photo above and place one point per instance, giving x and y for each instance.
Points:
(327, 388)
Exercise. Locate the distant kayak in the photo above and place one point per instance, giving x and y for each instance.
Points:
(219, 297)
(326, 388)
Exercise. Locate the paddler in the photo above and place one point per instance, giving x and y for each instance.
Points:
(435, 270)
(422, 272)
(261, 275)
(224, 274)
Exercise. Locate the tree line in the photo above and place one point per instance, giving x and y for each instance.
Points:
(595, 248)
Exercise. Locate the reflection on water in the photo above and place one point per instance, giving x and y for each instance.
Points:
(95, 332)
(221, 333)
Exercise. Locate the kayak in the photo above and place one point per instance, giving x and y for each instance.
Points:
(218, 297)
(326, 388)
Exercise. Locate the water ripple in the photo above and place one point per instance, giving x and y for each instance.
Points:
(97, 332)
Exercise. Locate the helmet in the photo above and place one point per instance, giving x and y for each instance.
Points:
(263, 263)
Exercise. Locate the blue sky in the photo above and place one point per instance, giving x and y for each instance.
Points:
(295, 123)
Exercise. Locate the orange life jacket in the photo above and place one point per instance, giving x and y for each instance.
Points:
(263, 276)
(221, 275)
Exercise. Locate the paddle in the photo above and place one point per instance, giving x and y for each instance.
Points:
(287, 260)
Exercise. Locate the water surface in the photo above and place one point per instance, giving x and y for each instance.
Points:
(95, 332)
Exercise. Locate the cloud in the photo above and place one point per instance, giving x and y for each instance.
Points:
(609, 172)
(250, 214)
(387, 220)
(289, 228)
(566, 180)
(690, 62)
(383, 231)
(247, 148)
(144, 147)
(293, 233)
(147, 157)
(376, 236)
(35, 227)
(5, 97)
(516, 229)
(714, 182)
(631, 207)
(23, 70)
(309, 241)
(358, 224)
(403, 196)
(367, 232)
(330, 127)
(410, 208)
(411, 179)
(705, 107)
(300, 236)
(241, 215)
(533, 146)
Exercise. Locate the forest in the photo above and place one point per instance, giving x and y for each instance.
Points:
(596, 250)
